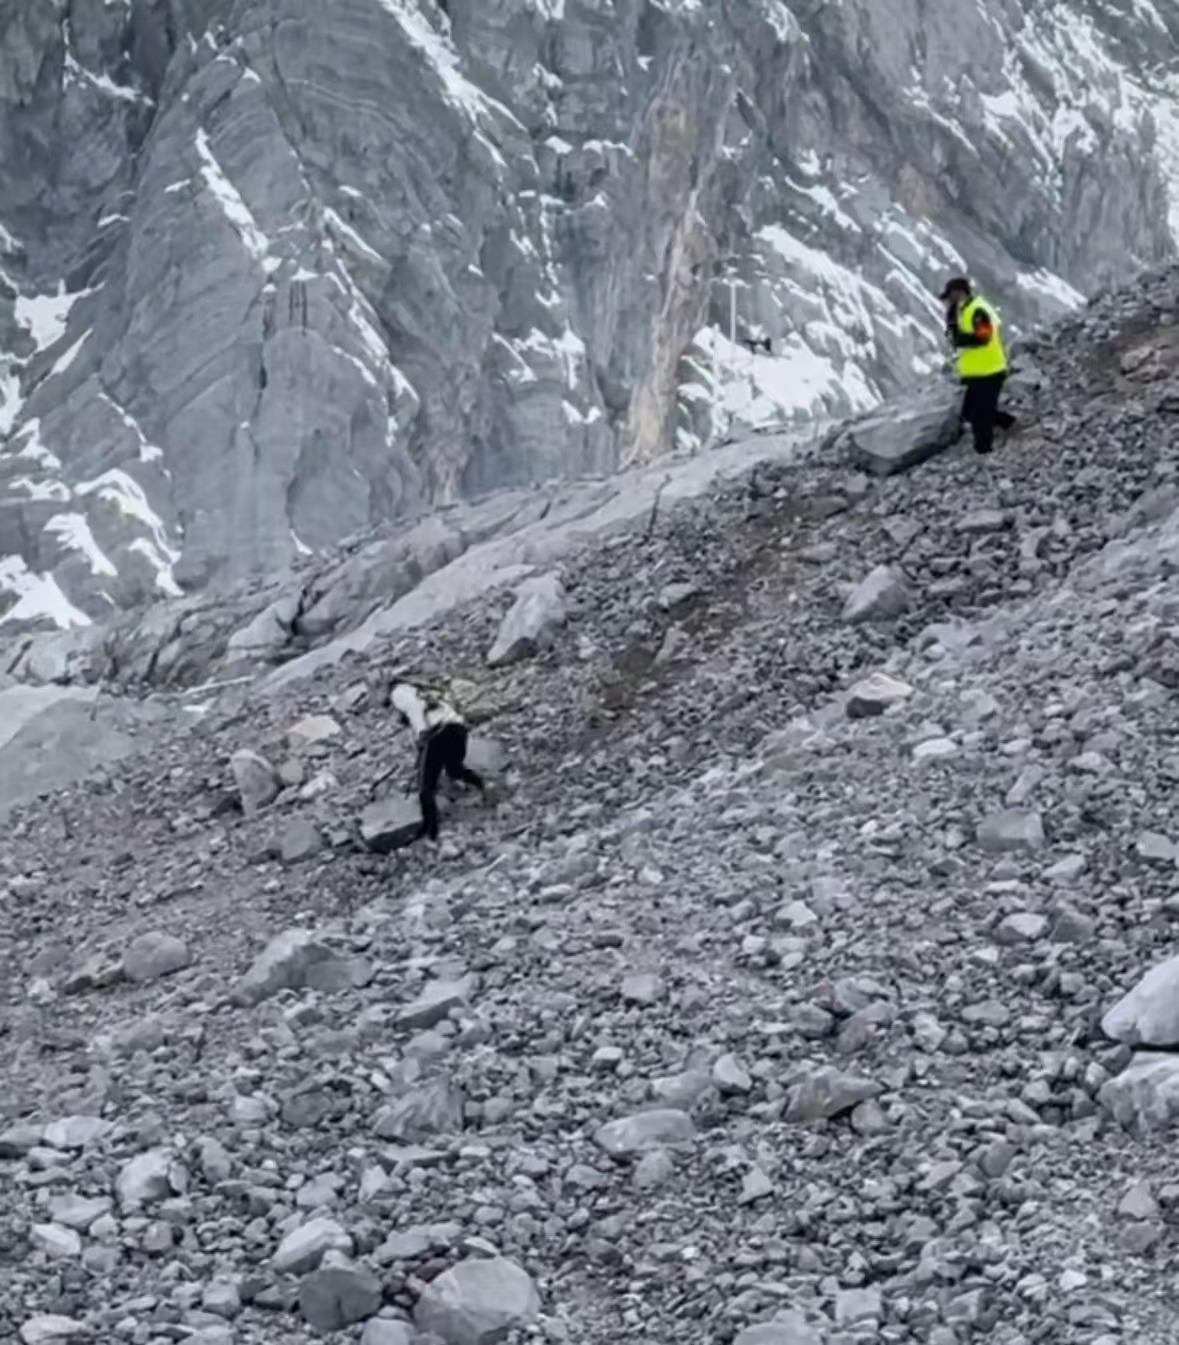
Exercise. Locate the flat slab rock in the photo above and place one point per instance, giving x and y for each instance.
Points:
(391, 824)
(633, 1134)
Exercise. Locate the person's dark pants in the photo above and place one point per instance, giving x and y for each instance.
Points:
(443, 750)
(980, 410)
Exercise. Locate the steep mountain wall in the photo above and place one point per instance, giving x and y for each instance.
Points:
(275, 272)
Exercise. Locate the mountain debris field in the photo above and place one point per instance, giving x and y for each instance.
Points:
(808, 978)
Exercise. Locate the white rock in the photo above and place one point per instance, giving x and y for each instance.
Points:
(78, 1211)
(48, 1327)
(153, 955)
(478, 1302)
(787, 1328)
(531, 623)
(875, 694)
(304, 1248)
(1149, 1014)
(643, 987)
(1145, 1096)
(75, 1132)
(1011, 832)
(144, 1178)
(60, 1243)
(314, 729)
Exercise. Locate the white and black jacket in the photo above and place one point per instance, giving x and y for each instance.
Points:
(424, 709)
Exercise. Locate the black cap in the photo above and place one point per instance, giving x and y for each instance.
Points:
(955, 285)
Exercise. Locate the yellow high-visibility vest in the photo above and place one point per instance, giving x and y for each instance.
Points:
(980, 361)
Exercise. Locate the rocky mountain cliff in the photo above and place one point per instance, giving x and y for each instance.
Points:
(807, 976)
(275, 273)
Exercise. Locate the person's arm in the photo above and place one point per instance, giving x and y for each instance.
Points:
(984, 329)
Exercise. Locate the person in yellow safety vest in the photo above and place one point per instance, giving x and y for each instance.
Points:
(973, 328)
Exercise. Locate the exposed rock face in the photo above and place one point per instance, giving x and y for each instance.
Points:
(273, 272)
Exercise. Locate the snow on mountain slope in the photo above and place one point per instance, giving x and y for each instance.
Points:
(279, 275)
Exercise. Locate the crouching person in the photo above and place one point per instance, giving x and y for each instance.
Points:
(442, 744)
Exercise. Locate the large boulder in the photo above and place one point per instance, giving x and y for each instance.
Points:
(532, 621)
(1149, 1014)
(1145, 1096)
(899, 437)
(478, 1302)
(283, 964)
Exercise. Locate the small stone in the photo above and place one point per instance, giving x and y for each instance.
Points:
(828, 1093)
(875, 694)
(644, 987)
(17, 1140)
(1011, 832)
(980, 522)
(214, 1160)
(154, 955)
(391, 824)
(144, 1179)
(478, 1302)
(311, 731)
(1153, 848)
(633, 1134)
(655, 1168)
(282, 965)
(385, 1331)
(881, 596)
(857, 1305)
(755, 1185)
(76, 1132)
(935, 749)
(435, 1108)
(222, 1298)
(56, 1242)
(1138, 1203)
(304, 1248)
(47, 1328)
(730, 1076)
(78, 1212)
(256, 779)
(300, 840)
(337, 1296)
(436, 1003)
(1021, 927)
(787, 1328)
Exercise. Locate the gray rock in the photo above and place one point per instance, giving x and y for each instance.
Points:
(17, 1140)
(898, 438)
(1145, 1095)
(531, 623)
(391, 823)
(645, 1130)
(643, 987)
(882, 596)
(436, 1108)
(655, 1168)
(144, 1179)
(282, 965)
(1011, 832)
(436, 1003)
(385, 1331)
(874, 694)
(1021, 927)
(1155, 849)
(787, 1328)
(256, 779)
(730, 1076)
(827, 1093)
(979, 522)
(311, 731)
(1138, 1203)
(857, 1305)
(78, 1212)
(76, 1132)
(1149, 1014)
(478, 1302)
(304, 1247)
(154, 955)
(47, 1328)
(56, 1242)
(337, 1296)
(223, 1299)
(300, 840)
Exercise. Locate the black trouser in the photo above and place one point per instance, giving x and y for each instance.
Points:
(980, 409)
(442, 750)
